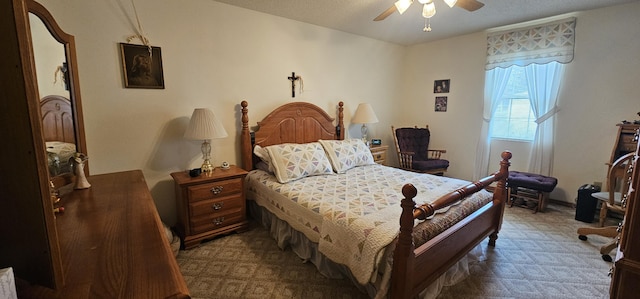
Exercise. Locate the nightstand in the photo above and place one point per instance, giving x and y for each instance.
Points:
(210, 204)
(379, 153)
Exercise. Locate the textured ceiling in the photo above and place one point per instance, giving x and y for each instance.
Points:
(356, 16)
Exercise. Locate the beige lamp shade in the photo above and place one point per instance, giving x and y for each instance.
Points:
(204, 125)
(364, 115)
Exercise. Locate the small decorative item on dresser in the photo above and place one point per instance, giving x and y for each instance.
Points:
(225, 165)
(210, 205)
(77, 167)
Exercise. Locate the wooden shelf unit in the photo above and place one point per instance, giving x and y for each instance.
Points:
(625, 282)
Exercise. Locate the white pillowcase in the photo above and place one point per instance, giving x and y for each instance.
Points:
(292, 161)
(263, 154)
(347, 154)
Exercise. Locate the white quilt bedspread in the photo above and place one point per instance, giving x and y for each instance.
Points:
(352, 216)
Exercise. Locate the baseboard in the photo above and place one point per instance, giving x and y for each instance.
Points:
(562, 203)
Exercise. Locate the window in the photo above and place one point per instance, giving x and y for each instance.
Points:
(513, 118)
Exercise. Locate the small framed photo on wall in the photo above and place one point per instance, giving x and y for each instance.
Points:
(441, 104)
(142, 66)
(441, 86)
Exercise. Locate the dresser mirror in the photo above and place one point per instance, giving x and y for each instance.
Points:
(54, 57)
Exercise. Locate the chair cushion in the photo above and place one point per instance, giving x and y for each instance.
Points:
(414, 140)
(430, 164)
(532, 181)
(604, 196)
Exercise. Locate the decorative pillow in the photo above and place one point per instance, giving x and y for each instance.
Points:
(347, 154)
(292, 161)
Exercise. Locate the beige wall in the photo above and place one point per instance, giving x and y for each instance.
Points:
(215, 55)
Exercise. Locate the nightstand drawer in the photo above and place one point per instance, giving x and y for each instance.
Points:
(379, 156)
(214, 189)
(215, 221)
(216, 206)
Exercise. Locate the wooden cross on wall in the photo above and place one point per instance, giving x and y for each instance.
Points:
(293, 80)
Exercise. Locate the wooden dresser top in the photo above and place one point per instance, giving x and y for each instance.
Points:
(112, 242)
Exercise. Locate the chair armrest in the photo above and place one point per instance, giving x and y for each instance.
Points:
(406, 159)
(435, 154)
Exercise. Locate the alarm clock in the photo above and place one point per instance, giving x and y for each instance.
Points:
(225, 165)
(376, 142)
(195, 172)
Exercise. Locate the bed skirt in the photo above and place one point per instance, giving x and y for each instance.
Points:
(286, 236)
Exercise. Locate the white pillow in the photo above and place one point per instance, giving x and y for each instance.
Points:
(263, 154)
(347, 154)
(292, 161)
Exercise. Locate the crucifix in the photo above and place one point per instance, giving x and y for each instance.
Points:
(293, 80)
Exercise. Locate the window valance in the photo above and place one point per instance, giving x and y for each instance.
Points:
(540, 44)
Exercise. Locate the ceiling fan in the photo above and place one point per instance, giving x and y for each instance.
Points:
(429, 9)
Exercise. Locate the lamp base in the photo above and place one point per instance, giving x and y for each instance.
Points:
(206, 155)
(207, 166)
(364, 130)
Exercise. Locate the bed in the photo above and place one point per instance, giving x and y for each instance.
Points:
(59, 132)
(397, 253)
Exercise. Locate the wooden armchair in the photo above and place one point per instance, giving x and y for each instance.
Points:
(618, 180)
(412, 146)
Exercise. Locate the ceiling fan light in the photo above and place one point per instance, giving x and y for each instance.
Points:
(429, 10)
(424, 1)
(403, 5)
(451, 3)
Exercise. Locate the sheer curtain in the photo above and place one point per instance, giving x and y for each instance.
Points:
(542, 49)
(543, 83)
(495, 83)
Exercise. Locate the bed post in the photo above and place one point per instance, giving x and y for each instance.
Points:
(403, 255)
(500, 193)
(245, 139)
(340, 126)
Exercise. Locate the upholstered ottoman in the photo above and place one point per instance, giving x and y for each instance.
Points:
(533, 189)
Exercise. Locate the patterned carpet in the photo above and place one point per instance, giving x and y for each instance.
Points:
(536, 256)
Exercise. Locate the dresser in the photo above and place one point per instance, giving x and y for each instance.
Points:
(625, 282)
(210, 204)
(113, 243)
(379, 153)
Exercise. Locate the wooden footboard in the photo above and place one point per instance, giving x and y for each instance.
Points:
(416, 268)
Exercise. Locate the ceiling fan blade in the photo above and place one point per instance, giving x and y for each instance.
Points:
(470, 5)
(386, 13)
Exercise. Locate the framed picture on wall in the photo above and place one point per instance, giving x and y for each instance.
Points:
(441, 86)
(441, 104)
(142, 66)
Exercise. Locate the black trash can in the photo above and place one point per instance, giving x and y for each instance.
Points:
(586, 204)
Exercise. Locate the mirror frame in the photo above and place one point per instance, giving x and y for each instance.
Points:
(68, 41)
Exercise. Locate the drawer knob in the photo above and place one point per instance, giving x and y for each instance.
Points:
(217, 206)
(218, 221)
(216, 190)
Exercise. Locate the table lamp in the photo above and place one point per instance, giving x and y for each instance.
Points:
(364, 115)
(205, 126)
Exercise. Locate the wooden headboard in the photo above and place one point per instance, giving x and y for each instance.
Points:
(57, 119)
(296, 122)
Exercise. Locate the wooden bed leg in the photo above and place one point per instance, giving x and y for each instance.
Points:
(492, 239)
